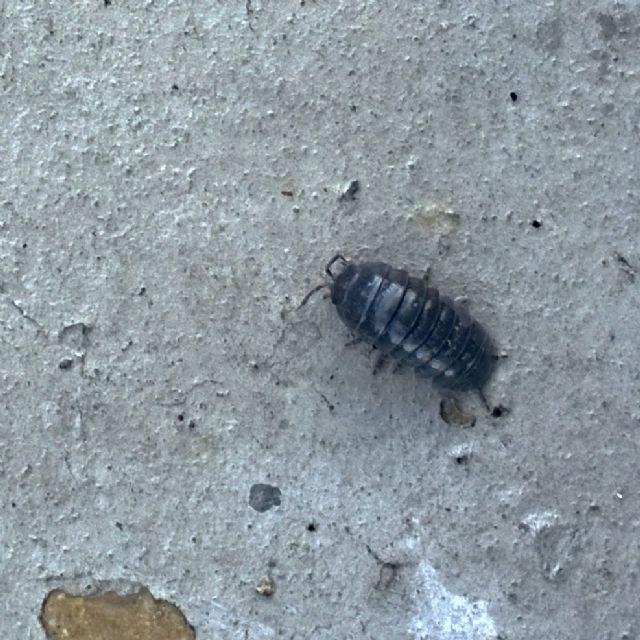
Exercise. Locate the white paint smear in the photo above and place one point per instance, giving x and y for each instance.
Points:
(442, 615)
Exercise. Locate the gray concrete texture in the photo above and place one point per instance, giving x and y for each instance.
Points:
(155, 367)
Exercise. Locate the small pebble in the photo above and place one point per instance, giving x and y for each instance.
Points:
(452, 413)
(266, 587)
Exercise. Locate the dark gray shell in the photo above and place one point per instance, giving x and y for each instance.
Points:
(411, 322)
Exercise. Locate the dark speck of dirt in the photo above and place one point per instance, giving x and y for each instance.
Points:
(263, 497)
(536, 224)
(625, 266)
(350, 191)
(65, 363)
(498, 412)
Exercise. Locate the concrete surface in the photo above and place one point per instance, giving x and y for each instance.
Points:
(154, 367)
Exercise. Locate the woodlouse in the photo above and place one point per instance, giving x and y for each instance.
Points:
(411, 322)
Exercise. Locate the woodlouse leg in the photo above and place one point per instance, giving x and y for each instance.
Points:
(497, 411)
(355, 340)
(485, 402)
(426, 276)
(381, 358)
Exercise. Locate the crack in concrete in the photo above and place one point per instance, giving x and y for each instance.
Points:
(625, 266)
(30, 319)
(389, 570)
(249, 10)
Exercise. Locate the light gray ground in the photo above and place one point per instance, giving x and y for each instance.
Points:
(154, 366)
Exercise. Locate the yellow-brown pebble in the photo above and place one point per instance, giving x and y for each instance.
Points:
(266, 586)
(109, 616)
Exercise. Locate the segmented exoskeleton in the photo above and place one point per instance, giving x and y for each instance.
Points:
(411, 322)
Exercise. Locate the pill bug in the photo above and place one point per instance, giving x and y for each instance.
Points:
(411, 322)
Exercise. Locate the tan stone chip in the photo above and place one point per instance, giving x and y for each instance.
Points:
(110, 616)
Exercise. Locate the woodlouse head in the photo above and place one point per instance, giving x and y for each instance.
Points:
(341, 283)
(327, 285)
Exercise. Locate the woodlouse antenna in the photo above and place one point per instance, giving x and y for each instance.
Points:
(324, 285)
(331, 262)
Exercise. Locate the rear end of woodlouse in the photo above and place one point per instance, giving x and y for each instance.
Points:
(412, 323)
